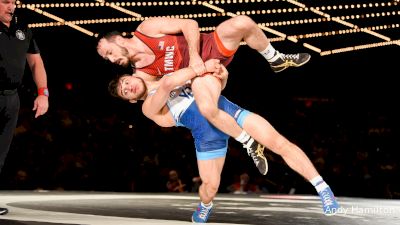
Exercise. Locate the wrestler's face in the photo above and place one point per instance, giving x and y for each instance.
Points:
(131, 88)
(113, 51)
(7, 8)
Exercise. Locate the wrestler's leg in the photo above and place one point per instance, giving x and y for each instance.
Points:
(265, 133)
(232, 31)
(210, 174)
(206, 91)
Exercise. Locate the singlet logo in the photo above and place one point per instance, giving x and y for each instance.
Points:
(187, 92)
(169, 58)
(184, 92)
(20, 35)
(161, 45)
(172, 94)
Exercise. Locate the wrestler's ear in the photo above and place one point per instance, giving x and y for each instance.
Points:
(132, 101)
(119, 40)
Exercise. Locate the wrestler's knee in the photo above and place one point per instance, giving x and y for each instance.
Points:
(283, 146)
(212, 190)
(211, 186)
(208, 110)
(242, 22)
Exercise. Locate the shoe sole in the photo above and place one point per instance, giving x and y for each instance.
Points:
(266, 167)
(331, 214)
(4, 212)
(195, 221)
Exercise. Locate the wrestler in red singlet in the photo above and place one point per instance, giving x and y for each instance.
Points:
(171, 52)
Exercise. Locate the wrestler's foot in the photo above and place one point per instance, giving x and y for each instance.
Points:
(256, 151)
(3, 211)
(329, 204)
(282, 61)
(202, 213)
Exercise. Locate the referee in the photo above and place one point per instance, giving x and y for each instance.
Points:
(17, 46)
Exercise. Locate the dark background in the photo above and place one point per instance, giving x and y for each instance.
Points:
(340, 109)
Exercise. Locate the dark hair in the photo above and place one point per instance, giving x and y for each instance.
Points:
(108, 35)
(113, 85)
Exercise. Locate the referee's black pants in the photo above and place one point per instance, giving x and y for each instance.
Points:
(9, 109)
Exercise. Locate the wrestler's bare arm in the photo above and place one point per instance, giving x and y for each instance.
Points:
(163, 118)
(146, 76)
(159, 26)
(223, 76)
(154, 104)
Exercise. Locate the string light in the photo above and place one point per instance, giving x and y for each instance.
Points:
(359, 47)
(193, 3)
(220, 12)
(117, 7)
(342, 32)
(89, 21)
(62, 21)
(318, 50)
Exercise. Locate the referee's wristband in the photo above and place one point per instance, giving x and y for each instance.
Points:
(43, 91)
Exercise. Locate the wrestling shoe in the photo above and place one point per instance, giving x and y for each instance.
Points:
(256, 152)
(202, 213)
(329, 204)
(282, 61)
(3, 211)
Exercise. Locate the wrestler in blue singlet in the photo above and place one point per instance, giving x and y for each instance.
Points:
(210, 142)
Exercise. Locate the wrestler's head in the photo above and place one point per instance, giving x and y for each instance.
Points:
(128, 87)
(112, 47)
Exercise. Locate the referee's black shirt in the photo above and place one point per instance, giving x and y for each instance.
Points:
(15, 42)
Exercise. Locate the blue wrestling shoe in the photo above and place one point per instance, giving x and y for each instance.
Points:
(202, 213)
(329, 204)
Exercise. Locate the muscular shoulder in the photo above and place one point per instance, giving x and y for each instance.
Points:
(151, 26)
(146, 76)
(163, 118)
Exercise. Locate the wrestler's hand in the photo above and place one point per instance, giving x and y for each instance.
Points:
(223, 75)
(197, 64)
(214, 67)
(41, 105)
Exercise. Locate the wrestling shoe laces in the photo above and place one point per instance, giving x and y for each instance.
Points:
(202, 213)
(326, 199)
(256, 151)
(329, 204)
(282, 61)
